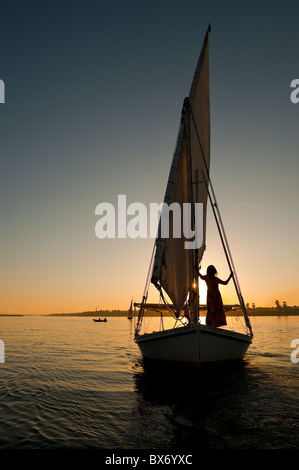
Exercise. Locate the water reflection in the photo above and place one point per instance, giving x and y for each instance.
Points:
(189, 409)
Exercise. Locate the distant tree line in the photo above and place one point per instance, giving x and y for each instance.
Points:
(277, 303)
(284, 305)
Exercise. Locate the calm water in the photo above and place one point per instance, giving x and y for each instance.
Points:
(73, 383)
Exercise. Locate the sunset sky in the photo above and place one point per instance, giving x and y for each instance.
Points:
(93, 94)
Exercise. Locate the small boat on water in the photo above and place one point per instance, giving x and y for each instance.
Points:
(100, 320)
(130, 312)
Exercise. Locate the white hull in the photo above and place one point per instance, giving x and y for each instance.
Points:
(194, 345)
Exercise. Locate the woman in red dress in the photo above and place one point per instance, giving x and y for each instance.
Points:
(215, 314)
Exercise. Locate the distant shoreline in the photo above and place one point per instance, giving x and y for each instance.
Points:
(252, 312)
(11, 315)
(267, 311)
(257, 311)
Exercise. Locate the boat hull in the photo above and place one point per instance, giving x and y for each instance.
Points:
(194, 345)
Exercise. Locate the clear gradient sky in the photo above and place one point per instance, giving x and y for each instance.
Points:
(93, 94)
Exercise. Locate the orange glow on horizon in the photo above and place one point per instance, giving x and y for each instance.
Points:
(91, 295)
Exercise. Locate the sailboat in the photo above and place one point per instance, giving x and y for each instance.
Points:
(130, 311)
(173, 268)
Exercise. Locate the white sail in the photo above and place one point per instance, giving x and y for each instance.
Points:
(173, 267)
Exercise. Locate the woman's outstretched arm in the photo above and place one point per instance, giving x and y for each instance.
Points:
(227, 280)
(201, 275)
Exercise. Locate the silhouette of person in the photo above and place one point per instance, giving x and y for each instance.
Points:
(215, 314)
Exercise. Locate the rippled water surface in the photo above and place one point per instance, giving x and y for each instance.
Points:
(73, 383)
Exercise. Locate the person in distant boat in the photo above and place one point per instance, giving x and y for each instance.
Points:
(215, 314)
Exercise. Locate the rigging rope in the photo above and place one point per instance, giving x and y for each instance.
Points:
(145, 294)
(219, 223)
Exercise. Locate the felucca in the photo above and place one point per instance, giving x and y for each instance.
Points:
(174, 269)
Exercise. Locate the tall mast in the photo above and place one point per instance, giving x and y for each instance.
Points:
(193, 292)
